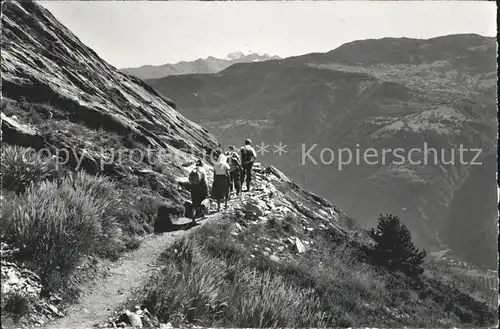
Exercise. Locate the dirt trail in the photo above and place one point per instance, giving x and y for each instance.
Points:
(126, 275)
(102, 297)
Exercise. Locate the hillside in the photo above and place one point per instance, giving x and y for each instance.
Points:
(88, 155)
(287, 258)
(93, 224)
(463, 233)
(383, 94)
(200, 66)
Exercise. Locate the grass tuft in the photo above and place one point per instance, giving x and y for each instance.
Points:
(22, 166)
(56, 223)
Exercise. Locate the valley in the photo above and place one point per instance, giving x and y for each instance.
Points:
(382, 94)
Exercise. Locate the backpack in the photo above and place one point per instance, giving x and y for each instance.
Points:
(195, 176)
(246, 155)
(234, 164)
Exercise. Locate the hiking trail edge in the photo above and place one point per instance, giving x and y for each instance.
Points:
(125, 276)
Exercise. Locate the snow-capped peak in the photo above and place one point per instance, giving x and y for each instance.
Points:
(238, 54)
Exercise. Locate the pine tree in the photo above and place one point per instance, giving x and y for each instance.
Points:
(394, 248)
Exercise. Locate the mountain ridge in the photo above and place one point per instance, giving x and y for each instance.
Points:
(207, 65)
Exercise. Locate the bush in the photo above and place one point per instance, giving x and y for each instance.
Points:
(394, 248)
(21, 166)
(55, 225)
(195, 286)
(274, 303)
(190, 285)
(110, 202)
(17, 305)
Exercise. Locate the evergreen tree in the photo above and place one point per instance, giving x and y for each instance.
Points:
(394, 248)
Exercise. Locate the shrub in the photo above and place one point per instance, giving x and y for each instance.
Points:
(195, 286)
(109, 201)
(137, 212)
(190, 285)
(21, 166)
(17, 305)
(394, 248)
(54, 225)
(264, 300)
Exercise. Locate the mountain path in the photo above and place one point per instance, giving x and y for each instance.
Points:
(102, 297)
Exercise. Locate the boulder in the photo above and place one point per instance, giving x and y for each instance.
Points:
(21, 281)
(17, 133)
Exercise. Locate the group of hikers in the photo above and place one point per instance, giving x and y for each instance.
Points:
(232, 169)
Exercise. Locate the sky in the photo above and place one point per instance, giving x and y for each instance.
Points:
(136, 33)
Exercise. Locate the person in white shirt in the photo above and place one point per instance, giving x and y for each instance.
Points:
(248, 156)
(220, 187)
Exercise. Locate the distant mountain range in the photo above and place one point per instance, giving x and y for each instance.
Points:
(384, 94)
(202, 66)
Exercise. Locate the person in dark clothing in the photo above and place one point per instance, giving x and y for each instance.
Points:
(234, 171)
(199, 189)
(248, 156)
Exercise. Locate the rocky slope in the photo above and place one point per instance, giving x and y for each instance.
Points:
(59, 96)
(383, 94)
(50, 78)
(200, 66)
(280, 228)
(275, 199)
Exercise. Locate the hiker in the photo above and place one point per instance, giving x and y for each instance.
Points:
(199, 189)
(248, 156)
(232, 152)
(220, 187)
(235, 171)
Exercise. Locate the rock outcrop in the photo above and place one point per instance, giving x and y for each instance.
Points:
(20, 286)
(44, 63)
